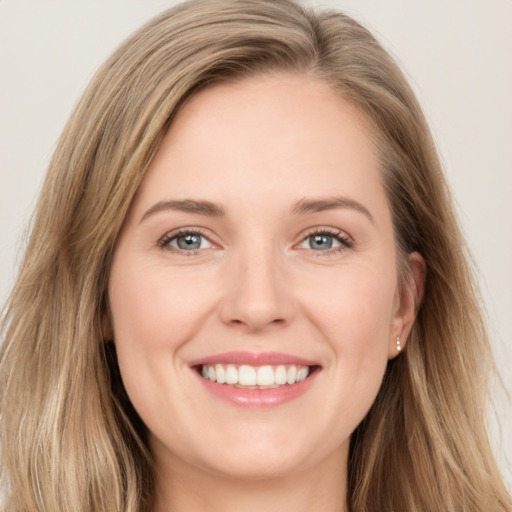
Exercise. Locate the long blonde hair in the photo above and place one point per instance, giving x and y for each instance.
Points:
(70, 439)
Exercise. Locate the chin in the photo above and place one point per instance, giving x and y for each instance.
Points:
(256, 467)
(266, 453)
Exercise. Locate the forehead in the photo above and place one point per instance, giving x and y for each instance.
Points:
(251, 137)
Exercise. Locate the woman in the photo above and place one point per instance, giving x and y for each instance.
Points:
(245, 287)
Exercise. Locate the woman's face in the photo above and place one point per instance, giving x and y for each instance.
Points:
(253, 290)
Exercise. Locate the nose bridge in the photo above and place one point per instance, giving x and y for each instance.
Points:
(257, 296)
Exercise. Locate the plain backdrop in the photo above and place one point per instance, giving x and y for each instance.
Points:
(456, 53)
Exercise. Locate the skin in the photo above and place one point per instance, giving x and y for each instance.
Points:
(257, 148)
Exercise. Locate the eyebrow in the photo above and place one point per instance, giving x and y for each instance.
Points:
(302, 207)
(186, 205)
(305, 206)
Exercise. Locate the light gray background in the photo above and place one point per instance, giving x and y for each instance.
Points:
(457, 54)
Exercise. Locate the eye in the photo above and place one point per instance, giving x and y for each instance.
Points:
(187, 241)
(320, 242)
(325, 240)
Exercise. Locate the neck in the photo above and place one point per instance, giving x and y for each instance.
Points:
(182, 488)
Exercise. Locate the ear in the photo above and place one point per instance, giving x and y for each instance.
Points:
(407, 303)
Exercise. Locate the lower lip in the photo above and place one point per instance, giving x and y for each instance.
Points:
(258, 398)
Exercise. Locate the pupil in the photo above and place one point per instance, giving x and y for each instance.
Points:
(189, 242)
(321, 242)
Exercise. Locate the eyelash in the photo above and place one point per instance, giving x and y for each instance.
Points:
(345, 241)
(164, 242)
(340, 236)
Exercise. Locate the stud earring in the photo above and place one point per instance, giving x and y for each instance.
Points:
(398, 347)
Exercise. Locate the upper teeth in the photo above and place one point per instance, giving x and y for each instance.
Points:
(246, 375)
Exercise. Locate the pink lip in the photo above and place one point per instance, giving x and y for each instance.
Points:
(255, 398)
(253, 359)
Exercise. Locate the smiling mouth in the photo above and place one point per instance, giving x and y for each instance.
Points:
(256, 377)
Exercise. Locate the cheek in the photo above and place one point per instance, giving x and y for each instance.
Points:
(355, 319)
(154, 313)
(155, 307)
(356, 309)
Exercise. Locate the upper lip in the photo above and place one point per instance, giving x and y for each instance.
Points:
(253, 359)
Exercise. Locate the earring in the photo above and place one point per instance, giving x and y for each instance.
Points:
(398, 347)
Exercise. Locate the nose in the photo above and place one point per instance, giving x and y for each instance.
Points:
(258, 296)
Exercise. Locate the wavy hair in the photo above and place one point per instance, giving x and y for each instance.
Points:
(71, 441)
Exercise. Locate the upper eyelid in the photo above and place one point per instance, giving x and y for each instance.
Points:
(170, 235)
(325, 229)
(187, 230)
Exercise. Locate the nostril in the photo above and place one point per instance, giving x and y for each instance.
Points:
(257, 324)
